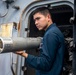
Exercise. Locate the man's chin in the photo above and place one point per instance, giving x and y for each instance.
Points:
(39, 29)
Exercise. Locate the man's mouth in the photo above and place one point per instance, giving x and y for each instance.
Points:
(37, 26)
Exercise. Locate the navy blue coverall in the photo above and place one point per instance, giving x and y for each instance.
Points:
(50, 60)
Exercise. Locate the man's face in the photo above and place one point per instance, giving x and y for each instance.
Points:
(41, 21)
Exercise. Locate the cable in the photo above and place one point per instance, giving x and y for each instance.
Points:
(12, 69)
(5, 12)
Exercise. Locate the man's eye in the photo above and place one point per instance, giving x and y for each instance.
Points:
(37, 18)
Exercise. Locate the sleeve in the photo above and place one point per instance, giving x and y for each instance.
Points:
(46, 59)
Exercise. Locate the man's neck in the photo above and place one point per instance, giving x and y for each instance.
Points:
(48, 25)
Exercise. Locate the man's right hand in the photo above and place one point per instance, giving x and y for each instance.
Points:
(22, 53)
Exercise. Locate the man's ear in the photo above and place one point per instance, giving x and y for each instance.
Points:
(48, 16)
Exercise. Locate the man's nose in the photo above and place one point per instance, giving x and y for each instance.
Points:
(36, 22)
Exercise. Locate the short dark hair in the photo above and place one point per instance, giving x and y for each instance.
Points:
(42, 10)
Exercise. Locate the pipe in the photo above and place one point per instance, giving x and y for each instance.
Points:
(18, 43)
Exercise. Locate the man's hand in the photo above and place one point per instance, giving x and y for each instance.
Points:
(19, 52)
(22, 53)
